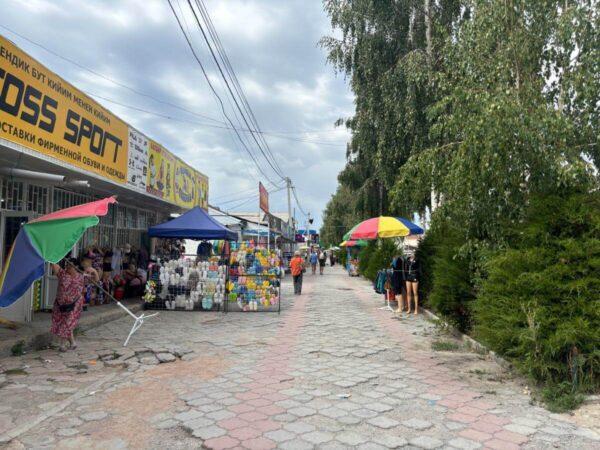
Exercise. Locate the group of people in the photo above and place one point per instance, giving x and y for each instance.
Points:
(405, 282)
(319, 257)
(88, 280)
(298, 265)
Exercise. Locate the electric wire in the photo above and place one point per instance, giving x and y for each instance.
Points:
(215, 59)
(229, 68)
(214, 91)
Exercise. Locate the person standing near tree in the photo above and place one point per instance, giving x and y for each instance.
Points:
(297, 268)
(412, 273)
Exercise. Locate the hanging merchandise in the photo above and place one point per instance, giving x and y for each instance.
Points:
(187, 285)
(254, 279)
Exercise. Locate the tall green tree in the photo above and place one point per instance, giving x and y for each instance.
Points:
(514, 117)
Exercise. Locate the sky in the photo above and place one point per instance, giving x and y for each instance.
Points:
(273, 48)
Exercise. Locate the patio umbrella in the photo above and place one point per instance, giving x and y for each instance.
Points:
(358, 243)
(383, 227)
(46, 239)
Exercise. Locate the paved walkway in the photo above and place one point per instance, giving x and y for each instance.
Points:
(331, 372)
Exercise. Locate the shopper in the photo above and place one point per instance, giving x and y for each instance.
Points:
(297, 268)
(332, 258)
(398, 282)
(322, 261)
(69, 301)
(313, 261)
(412, 274)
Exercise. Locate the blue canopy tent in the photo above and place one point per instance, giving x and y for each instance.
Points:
(194, 224)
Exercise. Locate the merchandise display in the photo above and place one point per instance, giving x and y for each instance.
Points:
(254, 279)
(187, 284)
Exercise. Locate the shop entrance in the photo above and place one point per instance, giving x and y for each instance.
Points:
(10, 224)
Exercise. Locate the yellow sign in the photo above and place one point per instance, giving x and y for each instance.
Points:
(161, 172)
(202, 186)
(43, 112)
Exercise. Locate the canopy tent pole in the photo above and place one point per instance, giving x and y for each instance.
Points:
(139, 320)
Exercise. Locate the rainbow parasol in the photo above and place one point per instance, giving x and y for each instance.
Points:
(358, 243)
(383, 227)
(45, 239)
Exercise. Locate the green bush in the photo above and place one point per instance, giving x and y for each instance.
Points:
(539, 304)
(447, 276)
(364, 255)
(380, 258)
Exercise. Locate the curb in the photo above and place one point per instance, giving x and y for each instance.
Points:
(471, 343)
(41, 339)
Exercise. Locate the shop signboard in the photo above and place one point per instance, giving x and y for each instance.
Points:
(161, 172)
(46, 114)
(263, 198)
(137, 166)
(202, 187)
(191, 187)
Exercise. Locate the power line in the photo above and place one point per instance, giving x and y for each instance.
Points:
(145, 94)
(229, 68)
(214, 91)
(194, 122)
(215, 59)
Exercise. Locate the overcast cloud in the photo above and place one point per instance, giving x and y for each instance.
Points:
(272, 45)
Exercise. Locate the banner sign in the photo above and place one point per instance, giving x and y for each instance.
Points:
(137, 167)
(161, 172)
(173, 180)
(46, 114)
(263, 197)
(43, 112)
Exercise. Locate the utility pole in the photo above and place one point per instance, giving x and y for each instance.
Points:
(288, 182)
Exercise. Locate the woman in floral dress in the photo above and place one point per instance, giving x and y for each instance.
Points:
(69, 292)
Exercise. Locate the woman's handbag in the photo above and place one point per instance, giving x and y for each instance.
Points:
(68, 307)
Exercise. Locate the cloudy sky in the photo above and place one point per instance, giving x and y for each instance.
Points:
(272, 46)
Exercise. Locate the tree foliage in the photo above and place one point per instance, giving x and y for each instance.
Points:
(540, 301)
(482, 107)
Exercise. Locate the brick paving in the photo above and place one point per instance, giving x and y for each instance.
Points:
(331, 372)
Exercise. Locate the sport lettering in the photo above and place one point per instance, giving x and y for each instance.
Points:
(18, 98)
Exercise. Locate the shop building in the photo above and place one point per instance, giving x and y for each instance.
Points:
(60, 148)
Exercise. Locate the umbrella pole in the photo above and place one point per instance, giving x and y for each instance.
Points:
(138, 320)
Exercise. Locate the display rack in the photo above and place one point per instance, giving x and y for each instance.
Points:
(243, 298)
(188, 285)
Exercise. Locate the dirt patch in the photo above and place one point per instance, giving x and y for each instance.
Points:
(588, 415)
(129, 405)
(200, 368)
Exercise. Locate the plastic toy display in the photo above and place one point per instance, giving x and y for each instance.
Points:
(254, 279)
(186, 284)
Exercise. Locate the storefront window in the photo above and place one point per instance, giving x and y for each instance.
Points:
(12, 195)
(37, 199)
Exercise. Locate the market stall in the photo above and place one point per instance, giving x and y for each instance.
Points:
(353, 249)
(190, 282)
(254, 279)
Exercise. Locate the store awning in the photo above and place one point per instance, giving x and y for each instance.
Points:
(194, 224)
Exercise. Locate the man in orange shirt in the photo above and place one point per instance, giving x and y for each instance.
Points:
(297, 266)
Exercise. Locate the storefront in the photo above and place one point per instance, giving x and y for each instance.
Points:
(60, 148)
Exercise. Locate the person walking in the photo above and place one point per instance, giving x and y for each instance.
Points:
(322, 261)
(313, 261)
(297, 268)
(412, 271)
(69, 301)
